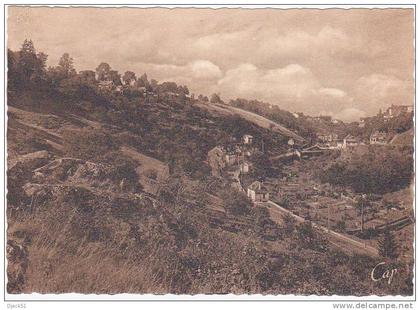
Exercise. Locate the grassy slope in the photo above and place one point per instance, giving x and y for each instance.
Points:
(252, 117)
(405, 138)
(83, 233)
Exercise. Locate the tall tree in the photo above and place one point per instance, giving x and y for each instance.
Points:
(31, 65)
(387, 245)
(215, 98)
(153, 85)
(115, 77)
(129, 77)
(143, 81)
(65, 65)
(87, 77)
(362, 205)
(12, 69)
(183, 89)
(102, 71)
(168, 87)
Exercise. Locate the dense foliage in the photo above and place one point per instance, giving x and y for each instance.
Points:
(380, 170)
(274, 113)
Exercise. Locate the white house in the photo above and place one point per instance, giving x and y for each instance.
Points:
(348, 141)
(257, 192)
(245, 167)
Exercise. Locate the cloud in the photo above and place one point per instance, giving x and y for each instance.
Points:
(377, 91)
(204, 69)
(292, 87)
(287, 83)
(333, 92)
(350, 114)
(333, 61)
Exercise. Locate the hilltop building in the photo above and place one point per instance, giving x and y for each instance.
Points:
(397, 110)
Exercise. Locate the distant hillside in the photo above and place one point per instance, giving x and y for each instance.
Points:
(305, 126)
(405, 138)
(254, 118)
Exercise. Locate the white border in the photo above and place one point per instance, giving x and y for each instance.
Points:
(305, 301)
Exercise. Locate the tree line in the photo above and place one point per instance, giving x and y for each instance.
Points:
(28, 69)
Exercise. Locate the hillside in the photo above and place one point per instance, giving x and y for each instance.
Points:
(67, 213)
(405, 138)
(254, 118)
(110, 191)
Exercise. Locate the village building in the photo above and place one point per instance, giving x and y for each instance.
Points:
(231, 158)
(397, 110)
(348, 141)
(287, 157)
(245, 167)
(257, 192)
(378, 138)
(326, 138)
(216, 161)
(247, 139)
(220, 158)
(315, 149)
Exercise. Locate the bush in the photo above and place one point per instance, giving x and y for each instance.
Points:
(264, 225)
(309, 238)
(289, 223)
(121, 168)
(236, 203)
(88, 144)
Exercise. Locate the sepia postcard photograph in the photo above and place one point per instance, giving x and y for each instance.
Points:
(228, 151)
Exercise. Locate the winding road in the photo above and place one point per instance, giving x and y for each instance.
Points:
(337, 239)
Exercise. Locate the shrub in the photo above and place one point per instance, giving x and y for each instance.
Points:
(236, 202)
(264, 225)
(387, 245)
(88, 144)
(121, 167)
(309, 238)
(289, 223)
